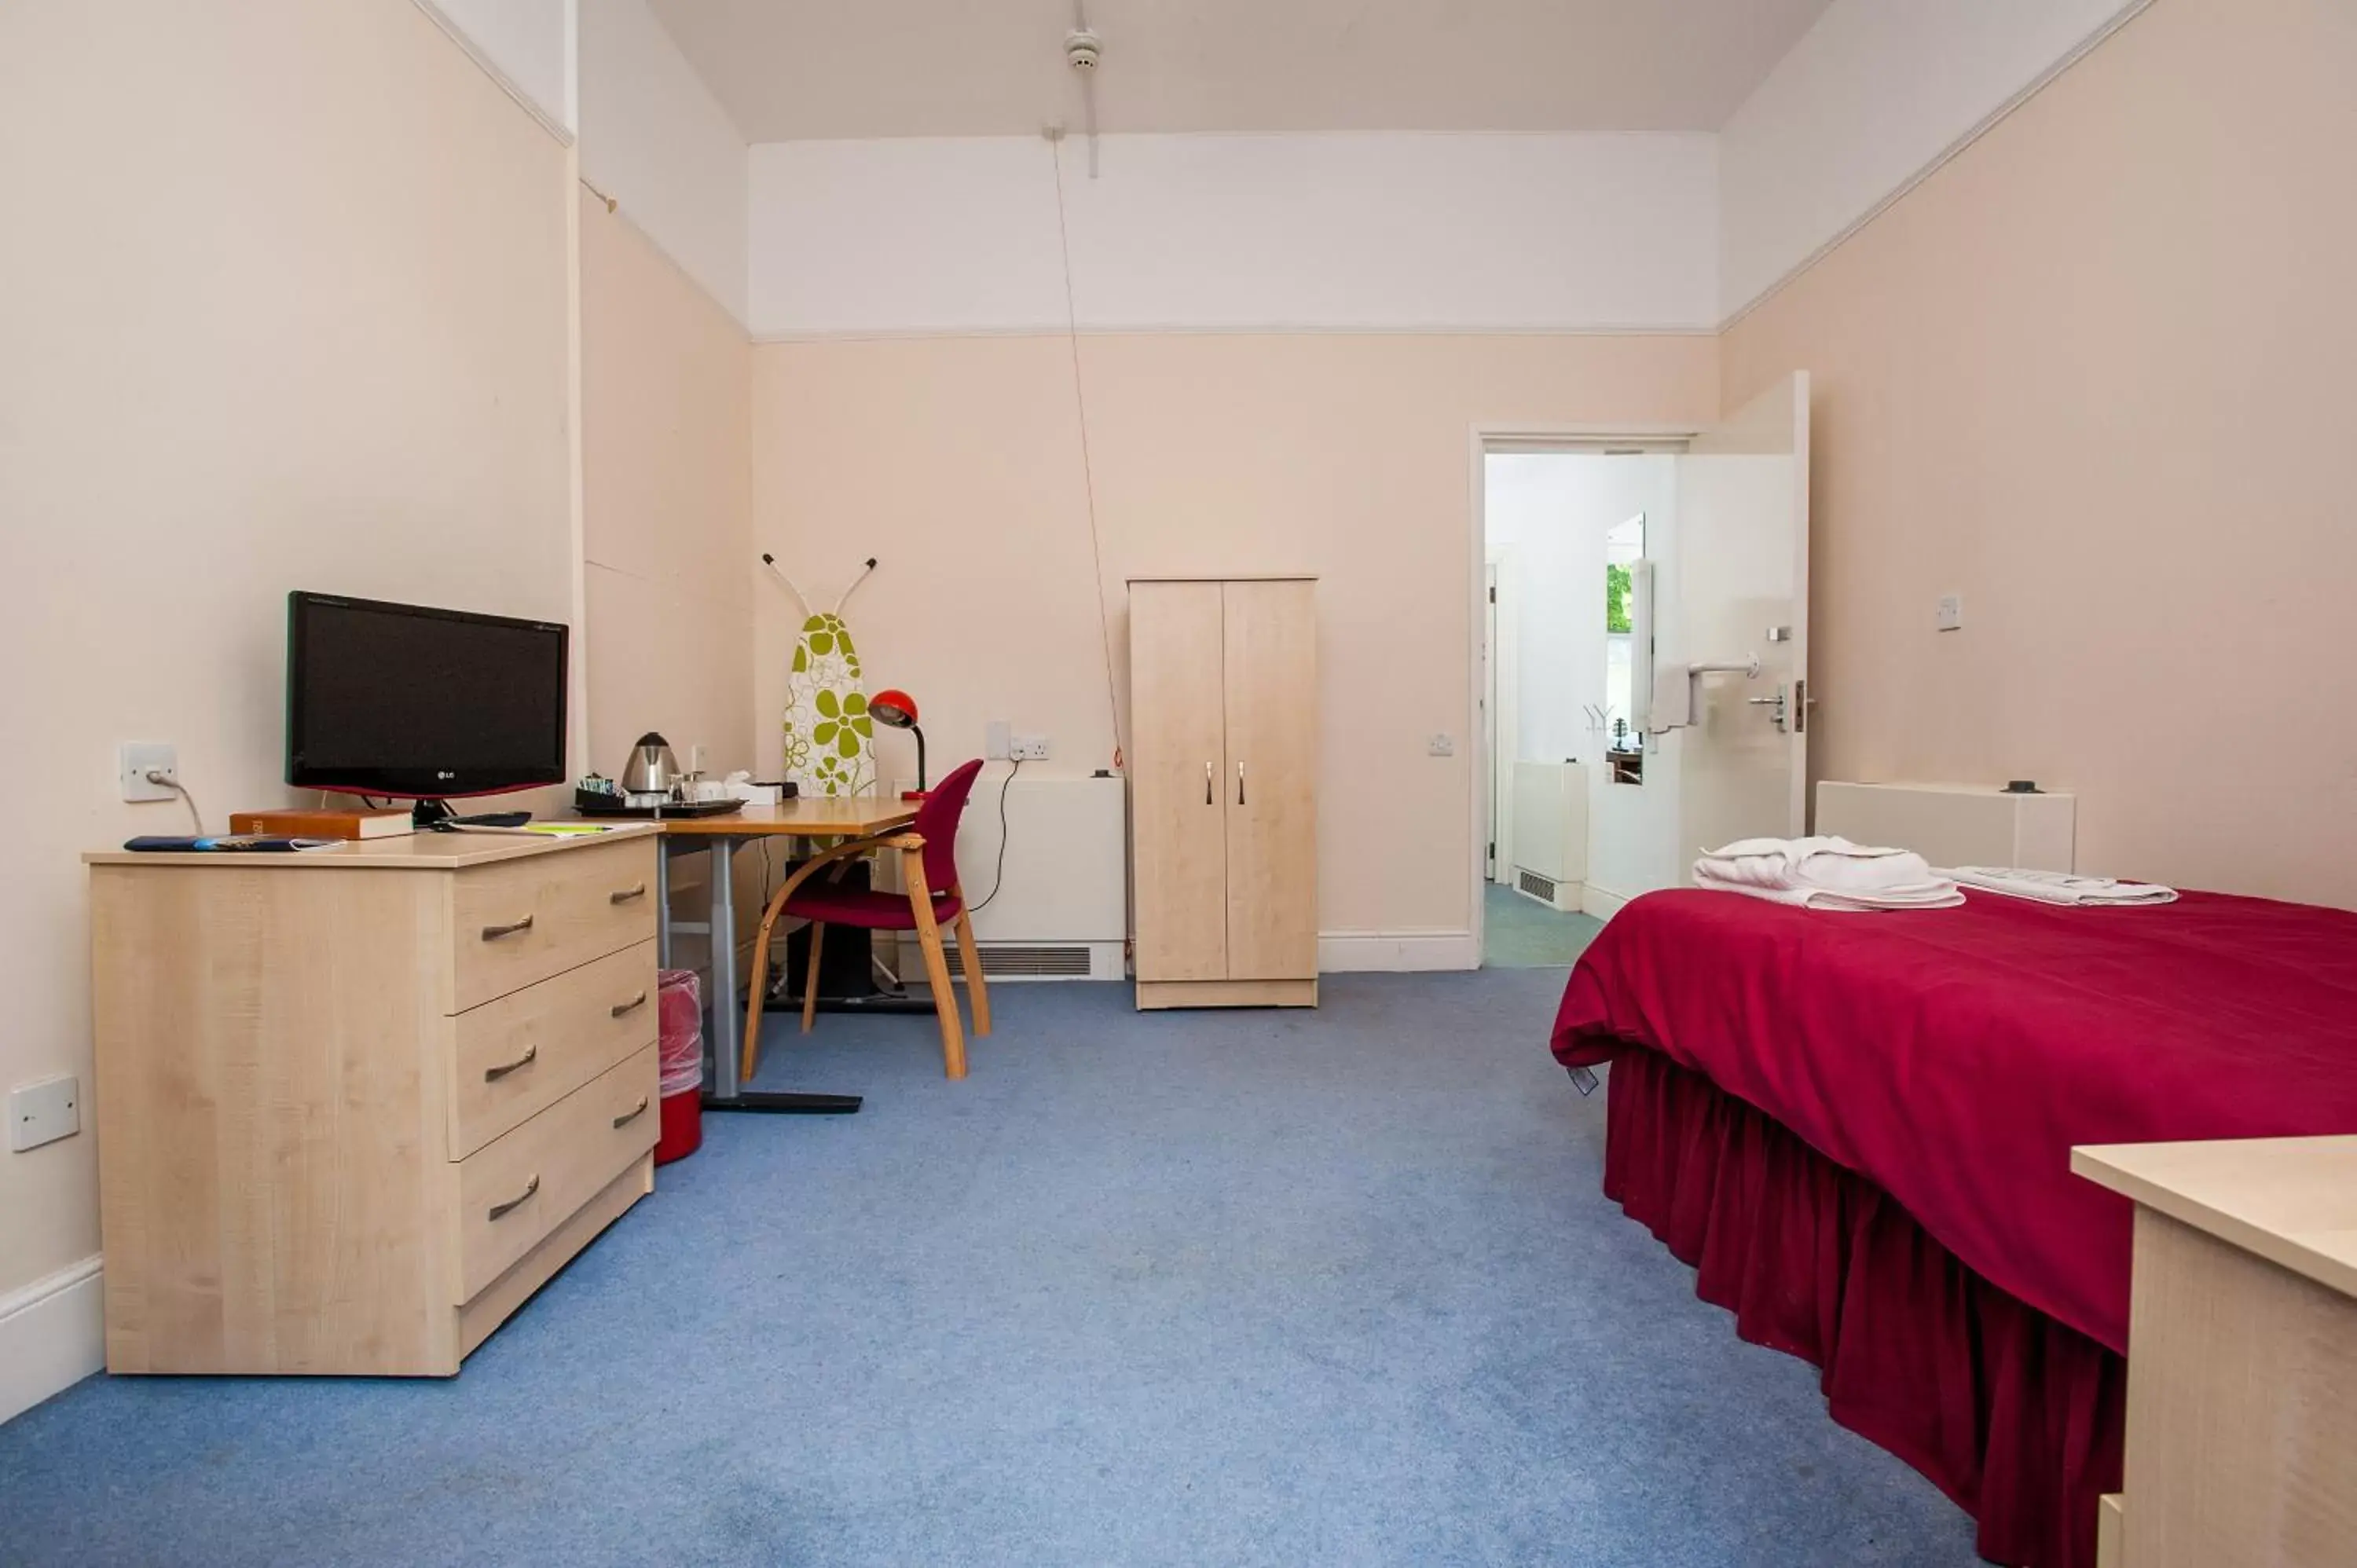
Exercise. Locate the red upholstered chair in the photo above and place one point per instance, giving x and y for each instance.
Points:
(928, 862)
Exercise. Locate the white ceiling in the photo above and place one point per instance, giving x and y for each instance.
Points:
(789, 70)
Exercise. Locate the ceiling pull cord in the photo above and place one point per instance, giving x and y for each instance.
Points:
(1088, 468)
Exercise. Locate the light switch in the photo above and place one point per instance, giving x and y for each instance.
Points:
(44, 1112)
(1950, 612)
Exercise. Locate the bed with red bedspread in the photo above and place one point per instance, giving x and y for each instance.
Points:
(1857, 1128)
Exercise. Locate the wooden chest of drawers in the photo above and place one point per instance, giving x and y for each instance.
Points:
(355, 1105)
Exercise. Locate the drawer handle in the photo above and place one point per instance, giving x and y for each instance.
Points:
(493, 1074)
(635, 1002)
(627, 894)
(493, 933)
(500, 1210)
(627, 1117)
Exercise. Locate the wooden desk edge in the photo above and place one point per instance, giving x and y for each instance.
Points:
(749, 824)
(2139, 1171)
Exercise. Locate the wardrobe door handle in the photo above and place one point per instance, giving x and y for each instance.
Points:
(500, 1210)
(493, 1074)
(627, 1117)
(618, 1008)
(1239, 783)
(1206, 784)
(627, 894)
(493, 933)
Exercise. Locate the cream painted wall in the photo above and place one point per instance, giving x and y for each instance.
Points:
(654, 138)
(1875, 93)
(667, 503)
(1467, 233)
(956, 462)
(322, 349)
(2046, 378)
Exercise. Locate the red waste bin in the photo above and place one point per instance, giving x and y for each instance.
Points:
(680, 1014)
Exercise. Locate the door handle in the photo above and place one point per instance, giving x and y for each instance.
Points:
(633, 1113)
(493, 1074)
(1206, 784)
(1239, 783)
(1775, 706)
(493, 933)
(500, 1210)
(627, 894)
(618, 1008)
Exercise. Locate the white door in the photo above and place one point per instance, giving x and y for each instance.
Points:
(1497, 814)
(1743, 593)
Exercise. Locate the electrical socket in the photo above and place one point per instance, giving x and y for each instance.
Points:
(995, 741)
(1029, 748)
(1440, 745)
(43, 1112)
(138, 758)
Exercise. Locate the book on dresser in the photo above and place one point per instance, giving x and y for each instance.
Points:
(296, 823)
(355, 1106)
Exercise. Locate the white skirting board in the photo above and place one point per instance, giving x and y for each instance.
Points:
(1350, 952)
(53, 1336)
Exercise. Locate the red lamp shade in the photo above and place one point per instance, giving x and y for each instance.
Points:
(896, 708)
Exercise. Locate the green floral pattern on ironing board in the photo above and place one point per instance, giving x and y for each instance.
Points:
(829, 736)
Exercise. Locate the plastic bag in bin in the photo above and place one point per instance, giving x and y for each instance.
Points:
(680, 996)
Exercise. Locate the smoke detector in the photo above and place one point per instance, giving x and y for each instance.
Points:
(1082, 48)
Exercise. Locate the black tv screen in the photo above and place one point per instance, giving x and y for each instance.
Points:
(402, 700)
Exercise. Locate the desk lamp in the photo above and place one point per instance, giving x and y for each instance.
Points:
(896, 708)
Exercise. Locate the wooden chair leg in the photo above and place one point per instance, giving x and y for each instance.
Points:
(977, 995)
(749, 1057)
(810, 981)
(937, 965)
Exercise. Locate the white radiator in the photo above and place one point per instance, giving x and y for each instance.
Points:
(1550, 837)
(1060, 908)
(1953, 825)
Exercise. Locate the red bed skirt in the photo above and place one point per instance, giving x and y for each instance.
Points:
(2016, 1417)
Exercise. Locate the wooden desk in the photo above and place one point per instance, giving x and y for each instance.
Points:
(812, 817)
(2242, 1420)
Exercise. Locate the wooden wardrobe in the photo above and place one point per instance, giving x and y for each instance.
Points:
(1223, 765)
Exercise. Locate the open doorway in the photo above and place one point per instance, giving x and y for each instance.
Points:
(1565, 532)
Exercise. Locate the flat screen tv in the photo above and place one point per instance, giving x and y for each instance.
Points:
(387, 698)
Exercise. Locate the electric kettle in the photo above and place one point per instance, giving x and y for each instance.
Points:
(651, 771)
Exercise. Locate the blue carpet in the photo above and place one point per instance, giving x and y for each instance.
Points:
(1237, 1288)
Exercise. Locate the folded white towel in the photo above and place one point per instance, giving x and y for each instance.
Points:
(1931, 895)
(1825, 873)
(1822, 862)
(2061, 887)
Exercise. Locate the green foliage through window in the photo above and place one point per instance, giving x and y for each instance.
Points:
(1616, 598)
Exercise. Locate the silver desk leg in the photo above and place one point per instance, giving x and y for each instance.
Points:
(727, 1026)
(662, 902)
(723, 1092)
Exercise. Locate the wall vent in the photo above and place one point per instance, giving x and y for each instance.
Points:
(1061, 960)
(1532, 883)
